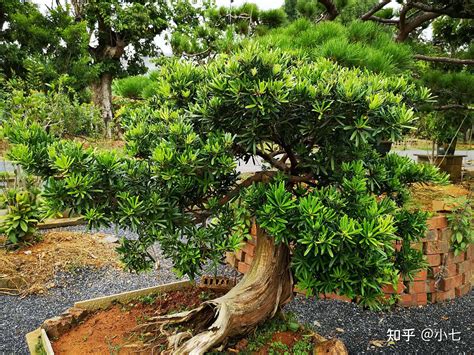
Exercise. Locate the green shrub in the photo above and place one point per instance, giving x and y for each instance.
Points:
(55, 111)
(460, 222)
(359, 44)
(131, 87)
(273, 18)
(19, 225)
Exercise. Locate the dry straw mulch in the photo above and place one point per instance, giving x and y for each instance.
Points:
(31, 269)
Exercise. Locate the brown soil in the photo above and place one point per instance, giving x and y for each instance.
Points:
(422, 196)
(116, 330)
(31, 269)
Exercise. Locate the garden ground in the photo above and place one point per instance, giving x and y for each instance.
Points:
(361, 330)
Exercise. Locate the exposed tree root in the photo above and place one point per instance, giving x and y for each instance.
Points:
(266, 287)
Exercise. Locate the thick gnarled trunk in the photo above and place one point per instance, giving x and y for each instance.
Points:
(102, 97)
(257, 297)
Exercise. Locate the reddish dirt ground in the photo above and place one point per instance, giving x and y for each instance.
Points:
(113, 331)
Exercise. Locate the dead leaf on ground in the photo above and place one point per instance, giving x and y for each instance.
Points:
(377, 343)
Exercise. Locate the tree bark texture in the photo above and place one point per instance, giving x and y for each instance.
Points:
(263, 290)
(102, 97)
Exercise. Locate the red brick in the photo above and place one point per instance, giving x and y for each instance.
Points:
(417, 287)
(398, 246)
(334, 296)
(437, 222)
(435, 247)
(421, 299)
(421, 276)
(445, 234)
(452, 259)
(240, 255)
(466, 277)
(470, 253)
(463, 267)
(248, 259)
(462, 290)
(389, 288)
(444, 296)
(433, 260)
(252, 241)
(249, 249)
(449, 283)
(432, 286)
(407, 299)
(444, 271)
(243, 267)
(430, 235)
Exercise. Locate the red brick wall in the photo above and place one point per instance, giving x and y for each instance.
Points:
(447, 276)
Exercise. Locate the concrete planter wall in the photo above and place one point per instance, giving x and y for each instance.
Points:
(55, 327)
(447, 276)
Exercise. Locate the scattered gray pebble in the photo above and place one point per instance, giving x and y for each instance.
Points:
(367, 331)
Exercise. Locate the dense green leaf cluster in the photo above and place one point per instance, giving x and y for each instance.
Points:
(357, 44)
(38, 48)
(460, 222)
(55, 111)
(202, 31)
(331, 197)
(19, 224)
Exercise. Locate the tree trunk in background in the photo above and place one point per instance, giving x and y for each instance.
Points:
(263, 290)
(102, 97)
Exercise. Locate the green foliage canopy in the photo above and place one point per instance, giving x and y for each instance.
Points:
(328, 193)
(358, 44)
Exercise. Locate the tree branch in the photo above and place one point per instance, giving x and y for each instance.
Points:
(379, 6)
(385, 21)
(272, 161)
(260, 176)
(405, 28)
(449, 10)
(331, 10)
(448, 60)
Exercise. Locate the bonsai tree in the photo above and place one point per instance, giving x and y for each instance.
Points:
(328, 210)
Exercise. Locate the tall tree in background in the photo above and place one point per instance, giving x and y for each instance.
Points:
(442, 60)
(121, 33)
(43, 50)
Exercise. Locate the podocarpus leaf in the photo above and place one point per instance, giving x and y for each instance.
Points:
(328, 194)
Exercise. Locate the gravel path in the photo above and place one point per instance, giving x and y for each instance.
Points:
(355, 326)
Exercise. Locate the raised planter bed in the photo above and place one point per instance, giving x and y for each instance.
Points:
(90, 315)
(448, 276)
(57, 326)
